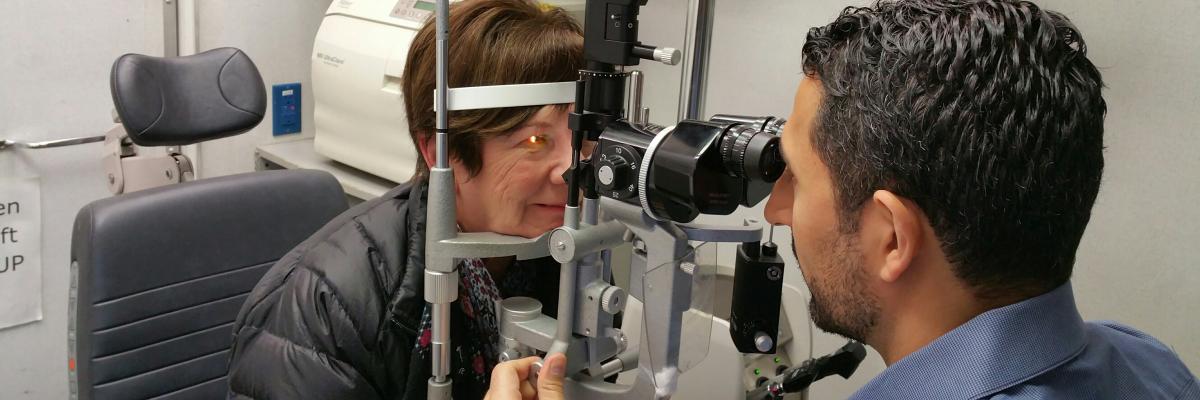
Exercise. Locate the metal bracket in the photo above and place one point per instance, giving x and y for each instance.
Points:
(723, 233)
(488, 244)
(572, 244)
(129, 172)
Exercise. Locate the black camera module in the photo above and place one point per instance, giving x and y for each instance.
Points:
(692, 168)
(766, 124)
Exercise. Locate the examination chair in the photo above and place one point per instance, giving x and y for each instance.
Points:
(158, 275)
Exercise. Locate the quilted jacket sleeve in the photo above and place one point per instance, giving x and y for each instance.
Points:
(319, 325)
(296, 346)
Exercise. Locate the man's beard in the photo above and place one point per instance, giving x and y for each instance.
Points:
(841, 304)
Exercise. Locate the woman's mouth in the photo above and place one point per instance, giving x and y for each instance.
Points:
(550, 207)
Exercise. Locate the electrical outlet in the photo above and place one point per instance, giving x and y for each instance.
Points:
(285, 112)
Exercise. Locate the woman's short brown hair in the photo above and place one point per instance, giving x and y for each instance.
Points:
(492, 42)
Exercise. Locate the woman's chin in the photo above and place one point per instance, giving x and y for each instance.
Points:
(537, 221)
(531, 229)
(543, 215)
(543, 224)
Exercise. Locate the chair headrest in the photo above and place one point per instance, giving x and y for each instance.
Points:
(172, 101)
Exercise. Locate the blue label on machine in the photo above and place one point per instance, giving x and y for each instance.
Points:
(285, 114)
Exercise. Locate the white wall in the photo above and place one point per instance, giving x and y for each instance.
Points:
(278, 36)
(1137, 260)
(54, 84)
(1137, 263)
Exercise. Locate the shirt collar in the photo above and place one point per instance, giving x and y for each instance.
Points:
(993, 351)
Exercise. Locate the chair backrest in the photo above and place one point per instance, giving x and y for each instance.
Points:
(171, 101)
(158, 277)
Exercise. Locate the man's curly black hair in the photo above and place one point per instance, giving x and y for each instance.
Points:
(986, 113)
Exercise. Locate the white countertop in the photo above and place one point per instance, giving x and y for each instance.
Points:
(299, 154)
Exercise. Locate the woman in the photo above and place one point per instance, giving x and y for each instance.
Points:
(343, 315)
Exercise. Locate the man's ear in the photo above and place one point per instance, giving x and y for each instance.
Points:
(428, 148)
(893, 232)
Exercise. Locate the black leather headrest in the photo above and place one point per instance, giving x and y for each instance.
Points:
(183, 100)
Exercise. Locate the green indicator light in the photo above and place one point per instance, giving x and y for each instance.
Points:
(777, 360)
(424, 5)
(757, 371)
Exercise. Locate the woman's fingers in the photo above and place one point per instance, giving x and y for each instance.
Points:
(509, 381)
(550, 379)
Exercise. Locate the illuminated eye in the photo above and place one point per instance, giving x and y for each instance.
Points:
(536, 142)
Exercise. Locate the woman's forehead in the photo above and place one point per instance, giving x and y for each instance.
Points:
(547, 117)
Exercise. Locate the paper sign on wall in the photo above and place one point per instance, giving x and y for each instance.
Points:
(20, 251)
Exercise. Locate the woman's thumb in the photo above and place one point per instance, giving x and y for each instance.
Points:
(550, 379)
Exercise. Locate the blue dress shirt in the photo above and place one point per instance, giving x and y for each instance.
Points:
(1039, 348)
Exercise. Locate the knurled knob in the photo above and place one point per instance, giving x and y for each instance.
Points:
(667, 55)
(613, 300)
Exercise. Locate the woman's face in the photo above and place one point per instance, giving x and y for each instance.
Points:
(520, 189)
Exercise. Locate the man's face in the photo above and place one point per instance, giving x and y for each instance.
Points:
(830, 260)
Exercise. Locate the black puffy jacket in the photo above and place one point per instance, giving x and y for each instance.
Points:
(336, 318)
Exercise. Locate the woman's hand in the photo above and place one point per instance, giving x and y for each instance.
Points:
(510, 380)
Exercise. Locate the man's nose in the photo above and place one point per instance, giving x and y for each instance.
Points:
(779, 206)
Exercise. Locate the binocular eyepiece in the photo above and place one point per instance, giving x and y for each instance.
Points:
(695, 167)
(750, 148)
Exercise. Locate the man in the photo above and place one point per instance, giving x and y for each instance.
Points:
(943, 159)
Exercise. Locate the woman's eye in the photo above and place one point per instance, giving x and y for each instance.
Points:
(536, 142)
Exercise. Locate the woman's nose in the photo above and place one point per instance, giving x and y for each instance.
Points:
(561, 160)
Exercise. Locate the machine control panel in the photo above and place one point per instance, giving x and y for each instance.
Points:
(414, 10)
(285, 108)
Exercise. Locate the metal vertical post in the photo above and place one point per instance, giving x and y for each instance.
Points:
(694, 81)
(170, 28)
(441, 277)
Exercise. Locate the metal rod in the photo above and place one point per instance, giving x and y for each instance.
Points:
(170, 28)
(693, 84)
(567, 273)
(439, 271)
(591, 211)
(440, 341)
(577, 138)
(443, 114)
(4, 144)
(566, 292)
(186, 25)
(635, 99)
